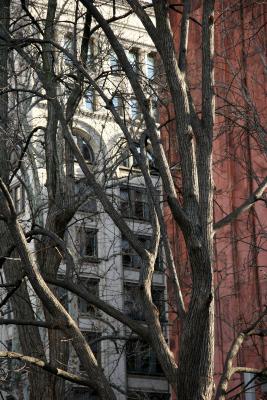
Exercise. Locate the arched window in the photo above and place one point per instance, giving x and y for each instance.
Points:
(86, 150)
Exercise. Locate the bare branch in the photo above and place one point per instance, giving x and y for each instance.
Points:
(47, 367)
(228, 366)
(253, 198)
(102, 305)
(41, 324)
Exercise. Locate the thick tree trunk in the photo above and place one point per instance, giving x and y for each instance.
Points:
(196, 356)
(29, 337)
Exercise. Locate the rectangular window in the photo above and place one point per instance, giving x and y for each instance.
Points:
(118, 104)
(18, 197)
(154, 108)
(68, 44)
(141, 359)
(115, 65)
(89, 206)
(150, 66)
(125, 157)
(148, 396)
(90, 100)
(129, 257)
(159, 301)
(62, 295)
(132, 260)
(134, 108)
(94, 345)
(91, 53)
(133, 58)
(9, 361)
(91, 286)
(134, 203)
(132, 303)
(133, 306)
(88, 243)
(82, 393)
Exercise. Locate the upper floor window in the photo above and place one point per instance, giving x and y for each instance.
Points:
(134, 108)
(141, 359)
(18, 196)
(90, 100)
(62, 295)
(86, 150)
(125, 158)
(91, 53)
(91, 338)
(132, 260)
(134, 203)
(82, 393)
(133, 58)
(133, 305)
(89, 206)
(88, 243)
(148, 396)
(92, 286)
(150, 66)
(118, 104)
(68, 44)
(154, 107)
(115, 65)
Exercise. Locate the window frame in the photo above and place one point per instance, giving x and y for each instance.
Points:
(150, 66)
(134, 109)
(137, 395)
(91, 95)
(118, 104)
(83, 255)
(85, 308)
(114, 63)
(81, 142)
(19, 204)
(134, 204)
(146, 354)
(133, 58)
(94, 335)
(136, 313)
(68, 44)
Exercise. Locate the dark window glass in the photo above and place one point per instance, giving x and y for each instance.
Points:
(88, 242)
(18, 197)
(133, 306)
(133, 58)
(94, 345)
(89, 206)
(125, 157)
(132, 260)
(134, 108)
(147, 396)
(81, 393)
(62, 295)
(90, 100)
(115, 65)
(132, 303)
(154, 108)
(86, 150)
(91, 286)
(68, 44)
(91, 53)
(134, 203)
(118, 104)
(150, 66)
(141, 359)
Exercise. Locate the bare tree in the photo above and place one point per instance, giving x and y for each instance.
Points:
(52, 78)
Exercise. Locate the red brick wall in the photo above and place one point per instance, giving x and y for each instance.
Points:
(241, 247)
